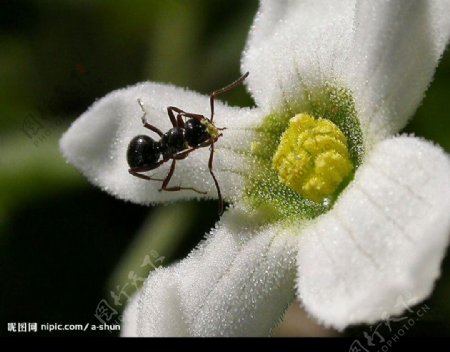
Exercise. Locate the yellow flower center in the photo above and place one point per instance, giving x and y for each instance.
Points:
(312, 157)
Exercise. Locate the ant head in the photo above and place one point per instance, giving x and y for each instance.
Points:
(197, 131)
(142, 151)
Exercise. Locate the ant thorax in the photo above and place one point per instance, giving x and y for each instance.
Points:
(212, 130)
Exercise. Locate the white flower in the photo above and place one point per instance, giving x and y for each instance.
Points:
(381, 234)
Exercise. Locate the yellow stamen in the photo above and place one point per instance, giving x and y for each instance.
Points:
(312, 157)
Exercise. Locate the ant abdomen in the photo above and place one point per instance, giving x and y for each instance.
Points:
(143, 151)
(196, 132)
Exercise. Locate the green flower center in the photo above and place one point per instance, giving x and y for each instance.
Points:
(312, 157)
(304, 155)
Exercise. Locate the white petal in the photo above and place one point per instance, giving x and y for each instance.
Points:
(237, 283)
(129, 317)
(160, 312)
(382, 244)
(296, 44)
(397, 46)
(385, 52)
(97, 143)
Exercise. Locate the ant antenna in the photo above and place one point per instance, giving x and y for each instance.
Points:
(223, 90)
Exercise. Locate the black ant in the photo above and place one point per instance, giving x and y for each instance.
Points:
(144, 153)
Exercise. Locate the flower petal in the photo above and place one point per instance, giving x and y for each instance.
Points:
(383, 242)
(237, 283)
(129, 317)
(294, 45)
(385, 52)
(397, 46)
(97, 143)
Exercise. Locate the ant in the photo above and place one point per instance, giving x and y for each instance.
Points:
(144, 153)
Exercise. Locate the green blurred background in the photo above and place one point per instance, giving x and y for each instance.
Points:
(64, 244)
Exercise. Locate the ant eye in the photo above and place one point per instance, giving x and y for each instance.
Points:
(142, 151)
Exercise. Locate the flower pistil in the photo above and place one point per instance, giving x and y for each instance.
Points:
(312, 157)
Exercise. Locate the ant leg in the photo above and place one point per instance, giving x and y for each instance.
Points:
(180, 113)
(177, 110)
(210, 167)
(183, 154)
(144, 177)
(135, 171)
(185, 114)
(176, 188)
(209, 142)
(180, 122)
(223, 90)
(194, 116)
(170, 110)
(144, 120)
